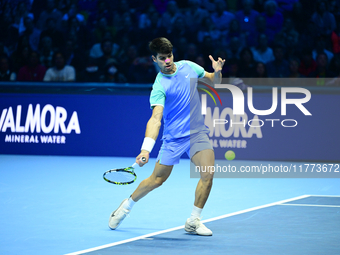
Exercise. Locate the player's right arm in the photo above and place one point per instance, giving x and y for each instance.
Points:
(152, 131)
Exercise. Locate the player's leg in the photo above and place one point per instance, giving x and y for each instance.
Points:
(168, 156)
(205, 159)
(202, 155)
(159, 175)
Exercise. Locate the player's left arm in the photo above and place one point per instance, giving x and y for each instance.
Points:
(216, 76)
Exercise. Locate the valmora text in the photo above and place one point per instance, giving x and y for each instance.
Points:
(46, 120)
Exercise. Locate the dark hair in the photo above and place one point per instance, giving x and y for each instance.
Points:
(244, 50)
(294, 58)
(105, 40)
(279, 46)
(318, 4)
(307, 51)
(160, 45)
(50, 19)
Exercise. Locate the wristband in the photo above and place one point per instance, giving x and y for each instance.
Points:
(148, 144)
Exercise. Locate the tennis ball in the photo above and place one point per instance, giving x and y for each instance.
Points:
(229, 155)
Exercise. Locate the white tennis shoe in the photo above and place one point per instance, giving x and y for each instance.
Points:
(118, 216)
(197, 227)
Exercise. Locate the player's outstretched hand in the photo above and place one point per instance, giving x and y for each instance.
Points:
(142, 154)
(217, 65)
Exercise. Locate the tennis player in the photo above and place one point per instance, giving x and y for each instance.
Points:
(175, 98)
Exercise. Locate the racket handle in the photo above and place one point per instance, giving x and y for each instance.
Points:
(136, 165)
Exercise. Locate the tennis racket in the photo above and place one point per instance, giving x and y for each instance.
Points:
(122, 176)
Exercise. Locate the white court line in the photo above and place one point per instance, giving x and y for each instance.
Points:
(312, 205)
(255, 208)
(124, 241)
(324, 195)
(180, 227)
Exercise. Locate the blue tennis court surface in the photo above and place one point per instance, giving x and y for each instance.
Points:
(60, 205)
(275, 229)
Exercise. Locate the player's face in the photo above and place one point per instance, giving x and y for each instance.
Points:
(165, 62)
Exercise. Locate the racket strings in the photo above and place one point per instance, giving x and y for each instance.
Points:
(122, 176)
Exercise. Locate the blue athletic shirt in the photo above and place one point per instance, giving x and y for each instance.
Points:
(178, 94)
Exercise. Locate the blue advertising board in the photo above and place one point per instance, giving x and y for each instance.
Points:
(84, 125)
(114, 125)
(293, 136)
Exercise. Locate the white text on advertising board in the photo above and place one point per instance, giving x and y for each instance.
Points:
(38, 125)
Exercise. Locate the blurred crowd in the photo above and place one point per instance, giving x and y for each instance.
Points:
(107, 40)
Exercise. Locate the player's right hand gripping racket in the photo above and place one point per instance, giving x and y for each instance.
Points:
(122, 176)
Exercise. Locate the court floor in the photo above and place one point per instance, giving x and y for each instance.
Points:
(60, 205)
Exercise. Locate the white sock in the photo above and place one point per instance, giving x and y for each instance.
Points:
(129, 204)
(196, 213)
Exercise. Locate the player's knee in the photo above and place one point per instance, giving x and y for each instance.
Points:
(157, 182)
